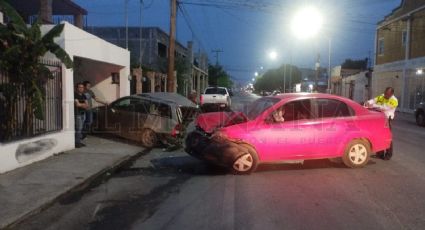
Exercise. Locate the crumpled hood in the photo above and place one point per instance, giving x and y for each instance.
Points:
(211, 121)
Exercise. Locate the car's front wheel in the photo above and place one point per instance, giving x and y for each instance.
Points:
(356, 154)
(246, 163)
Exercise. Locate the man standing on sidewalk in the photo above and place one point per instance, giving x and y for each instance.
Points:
(90, 96)
(80, 108)
(386, 103)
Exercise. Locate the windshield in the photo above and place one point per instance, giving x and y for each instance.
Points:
(253, 110)
(215, 91)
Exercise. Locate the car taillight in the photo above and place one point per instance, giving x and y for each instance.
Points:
(201, 99)
(176, 130)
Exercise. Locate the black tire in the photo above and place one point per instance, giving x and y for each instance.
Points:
(195, 144)
(246, 163)
(356, 154)
(420, 118)
(148, 138)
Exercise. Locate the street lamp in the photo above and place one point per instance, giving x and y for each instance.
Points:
(273, 55)
(306, 23)
(256, 74)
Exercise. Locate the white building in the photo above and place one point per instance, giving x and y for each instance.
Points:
(95, 60)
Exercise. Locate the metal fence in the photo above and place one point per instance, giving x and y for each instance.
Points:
(14, 105)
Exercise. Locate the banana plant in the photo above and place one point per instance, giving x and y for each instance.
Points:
(21, 48)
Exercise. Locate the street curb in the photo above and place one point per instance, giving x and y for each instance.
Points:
(83, 185)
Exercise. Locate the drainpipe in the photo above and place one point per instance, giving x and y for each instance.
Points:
(404, 91)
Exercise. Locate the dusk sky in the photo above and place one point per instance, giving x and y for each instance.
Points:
(247, 30)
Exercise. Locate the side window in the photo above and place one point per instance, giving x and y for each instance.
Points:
(126, 104)
(122, 104)
(333, 108)
(164, 110)
(298, 110)
(141, 107)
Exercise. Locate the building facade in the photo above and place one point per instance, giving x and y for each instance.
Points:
(149, 46)
(51, 11)
(106, 65)
(400, 54)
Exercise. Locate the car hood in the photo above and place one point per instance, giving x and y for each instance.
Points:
(209, 122)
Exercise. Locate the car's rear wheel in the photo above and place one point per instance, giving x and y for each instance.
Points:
(246, 163)
(148, 138)
(420, 119)
(356, 154)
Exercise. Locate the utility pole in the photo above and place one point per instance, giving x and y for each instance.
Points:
(140, 36)
(317, 72)
(217, 52)
(126, 23)
(171, 48)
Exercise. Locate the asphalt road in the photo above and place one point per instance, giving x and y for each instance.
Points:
(170, 190)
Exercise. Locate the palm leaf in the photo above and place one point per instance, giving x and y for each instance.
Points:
(34, 31)
(18, 22)
(53, 33)
(61, 54)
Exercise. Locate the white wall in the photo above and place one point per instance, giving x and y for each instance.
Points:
(79, 43)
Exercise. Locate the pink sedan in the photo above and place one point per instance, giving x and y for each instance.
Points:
(290, 128)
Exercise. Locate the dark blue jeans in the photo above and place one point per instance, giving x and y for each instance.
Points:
(79, 123)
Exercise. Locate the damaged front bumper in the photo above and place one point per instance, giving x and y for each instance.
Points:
(215, 149)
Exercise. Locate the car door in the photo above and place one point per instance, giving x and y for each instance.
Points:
(287, 140)
(334, 119)
(121, 116)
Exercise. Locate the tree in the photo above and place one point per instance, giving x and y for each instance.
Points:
(21, 47)
(284, 77)
(218, 76)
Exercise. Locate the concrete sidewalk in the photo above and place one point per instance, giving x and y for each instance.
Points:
(29, 190)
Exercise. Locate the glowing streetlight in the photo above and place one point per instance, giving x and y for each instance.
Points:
(307, 22)
(253, 79)
(419, 72)
(273, 55)
(256, 74)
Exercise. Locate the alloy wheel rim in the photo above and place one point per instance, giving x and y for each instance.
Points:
(243, 163)
(358, 154)
(148, 138)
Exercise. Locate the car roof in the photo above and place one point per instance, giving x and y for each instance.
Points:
(291, 96)
(152, 99)
(308, 95)
(169, 98)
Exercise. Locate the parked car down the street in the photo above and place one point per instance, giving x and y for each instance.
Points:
(215, 97)
(151, 119)
(420, 114)
(315, 126)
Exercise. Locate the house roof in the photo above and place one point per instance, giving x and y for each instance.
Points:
(405, 7)
(59, 7)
